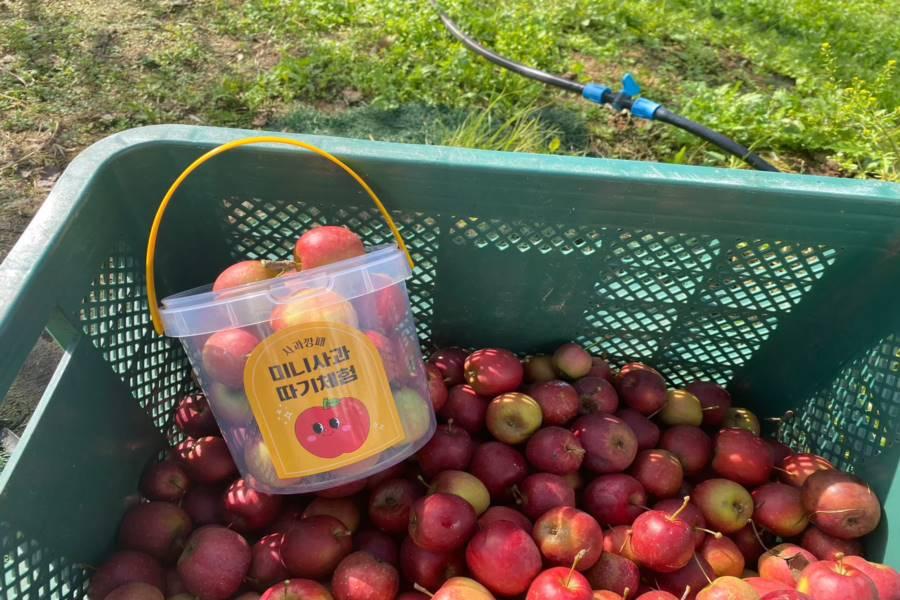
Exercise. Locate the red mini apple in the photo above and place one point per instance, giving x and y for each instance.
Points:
(641, 388)
(659, 471)
(615, 573)
(618, 541)
(214, 562)
(784, 563)
(429, 569)
(554, 450)
(886, 579)
(687, 581)
(565, 533)
(827, 547)
(610, 445)
(503, 558)
(166, 481)
(539, 369)
(360, 576)
(465, 408)
(493, 371)
(796, 468)
(615, 499)
(450, 362)
(560, 583)
(314, 546)
(747, 539)
(540, 492)
(596, 394)
(378, 544)
(662, 542)
(504, 513)
(225, 353)
(194, 418)
(345, 510)
(441, 522)
(840, 504)
(462, 588)
(124, 567)
(728, 588)
(266, 566)
(714, 399)
(558, 400)
(723, 556)
(742, 457)
(437, 390)
(572, 361)
(247, 510)
(209, 461)
(450, 448)
(778, 508)
(727, 506)
(835, 580)
(690, 445)
(690, 514)
(499, 467)
(326, 244)
(204, 505)
(157, 528)
(390, 504)
(645, 430)
(296, 589)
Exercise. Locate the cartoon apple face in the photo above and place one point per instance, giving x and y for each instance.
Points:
(339, 426)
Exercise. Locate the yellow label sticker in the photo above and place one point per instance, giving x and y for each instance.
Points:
(321, 398)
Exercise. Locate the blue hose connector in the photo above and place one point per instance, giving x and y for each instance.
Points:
(595, 92)
(644, 109)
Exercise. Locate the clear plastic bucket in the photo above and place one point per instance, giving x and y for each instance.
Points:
(315, 378)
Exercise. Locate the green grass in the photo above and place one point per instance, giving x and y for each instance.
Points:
(811, 84)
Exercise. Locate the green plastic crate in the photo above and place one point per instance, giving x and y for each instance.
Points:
(785, 287)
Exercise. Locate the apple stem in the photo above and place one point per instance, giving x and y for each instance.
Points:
(713, 407)
(715, 534)
(625, 593)
(517, 494)
(779, 469)
(641, 506)
(687, 591)
(683, 506)
(280, 265)
(839, 557)
(419, 588)
(702, 570)
(656, 412)
(449, 425)
(575, 562)
(758, 537)
(425, 483)
(625, 541)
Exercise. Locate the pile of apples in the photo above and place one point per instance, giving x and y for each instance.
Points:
(555, 478)
(552, 479)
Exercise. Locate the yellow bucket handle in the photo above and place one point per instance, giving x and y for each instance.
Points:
(264, 139)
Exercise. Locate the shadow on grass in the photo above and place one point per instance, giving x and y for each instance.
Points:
(421, 124)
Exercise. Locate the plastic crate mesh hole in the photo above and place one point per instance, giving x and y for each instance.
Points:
(114, 316)
(29, 572)
(858, 414)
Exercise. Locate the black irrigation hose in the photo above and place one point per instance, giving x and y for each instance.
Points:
(661, 113)
(530, 72)
(714, 137)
